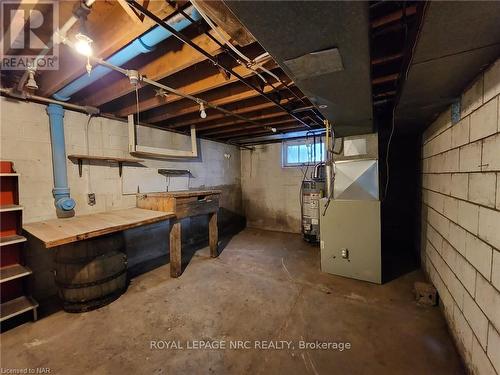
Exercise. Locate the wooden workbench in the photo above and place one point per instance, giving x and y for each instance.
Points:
(58, 232)
(184, 204)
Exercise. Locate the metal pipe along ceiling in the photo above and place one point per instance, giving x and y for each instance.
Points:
(142, 44)
(184, 39)
(141, 78)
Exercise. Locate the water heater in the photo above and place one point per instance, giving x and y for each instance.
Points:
(312, 192)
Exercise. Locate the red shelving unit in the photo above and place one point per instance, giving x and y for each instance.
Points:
(13, 272)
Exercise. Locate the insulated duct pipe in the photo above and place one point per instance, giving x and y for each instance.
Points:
(62, 200)
(144, 44)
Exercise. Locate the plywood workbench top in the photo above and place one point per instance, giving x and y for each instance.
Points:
(62, 231)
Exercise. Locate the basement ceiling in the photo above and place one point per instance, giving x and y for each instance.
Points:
(448, 56)
(291, 30)
(338, 54)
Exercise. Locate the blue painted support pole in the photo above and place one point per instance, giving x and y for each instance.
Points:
(62, 200)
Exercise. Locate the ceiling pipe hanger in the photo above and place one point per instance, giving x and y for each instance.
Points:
(252, 64)
(259, 61)
(187, 41)
(135, 77)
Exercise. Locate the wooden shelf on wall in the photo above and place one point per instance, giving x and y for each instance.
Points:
(10, 207)
(17, 306)
(14, 271)
(174, 172)
(109, 159)
(10, 240)
(15, 298)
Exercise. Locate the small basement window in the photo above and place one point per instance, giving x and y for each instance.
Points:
(305, 151)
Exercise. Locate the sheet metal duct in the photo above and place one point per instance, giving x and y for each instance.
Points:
(356, 179)
(457, 40)
(298, 32)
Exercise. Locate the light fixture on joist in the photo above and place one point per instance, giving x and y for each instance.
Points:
(203, 114)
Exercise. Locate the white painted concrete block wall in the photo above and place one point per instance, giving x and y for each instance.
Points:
(25, 140)
(461, 220)
(270, 192)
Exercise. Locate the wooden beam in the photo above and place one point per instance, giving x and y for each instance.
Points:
(231, 122)
(284, 120)
(386, 59)
(137, 18)
(171, 59)
(226, 20)
(111, 29)
(236, 92)
(394, 16)
(239, 108)
(244, 135)
(175, 248)
(385, 79)
(385, 94)
(213, 235)
(194, 82)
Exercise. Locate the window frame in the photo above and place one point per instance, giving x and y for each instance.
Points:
(308, 142)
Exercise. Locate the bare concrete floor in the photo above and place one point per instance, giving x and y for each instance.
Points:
(264, 286)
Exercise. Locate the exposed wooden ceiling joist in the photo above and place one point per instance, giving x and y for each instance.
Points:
(231, 94)
(232, 124)
(280, 119)
(199, 79)
(170, 62)
(182, 67)
(222, 15)
(285, 126)
(110, 28)
(242, 108)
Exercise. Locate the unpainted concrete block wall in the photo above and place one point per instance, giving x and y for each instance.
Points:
(271, 198)
(25, 140)
(271, 192)
(461, 220)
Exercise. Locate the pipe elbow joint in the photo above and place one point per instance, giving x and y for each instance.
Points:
(65, 203)
(62, 200)
(61, 98)
(55, 110)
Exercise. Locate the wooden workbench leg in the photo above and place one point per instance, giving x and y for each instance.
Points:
(175, 248)
(213, 235)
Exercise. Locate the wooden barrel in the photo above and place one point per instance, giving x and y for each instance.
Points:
(91, 274)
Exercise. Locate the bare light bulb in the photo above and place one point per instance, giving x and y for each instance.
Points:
(203, 114)
(83, 45)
